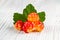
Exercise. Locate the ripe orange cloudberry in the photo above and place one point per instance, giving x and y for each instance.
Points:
(18, 25)
(33, 17)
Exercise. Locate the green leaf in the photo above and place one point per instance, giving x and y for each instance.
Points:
(29, 9)
(25, 13)
(18, 16)
(42, 16)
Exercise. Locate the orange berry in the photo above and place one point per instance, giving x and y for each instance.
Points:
(33, 17)
(37, 26)
(27, 27)
(18, 25)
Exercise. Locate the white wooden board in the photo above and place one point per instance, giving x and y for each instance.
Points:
(52, 22)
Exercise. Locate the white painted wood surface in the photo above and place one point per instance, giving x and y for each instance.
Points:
(52, 23)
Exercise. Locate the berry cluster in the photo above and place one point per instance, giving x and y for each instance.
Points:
(33, 24)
